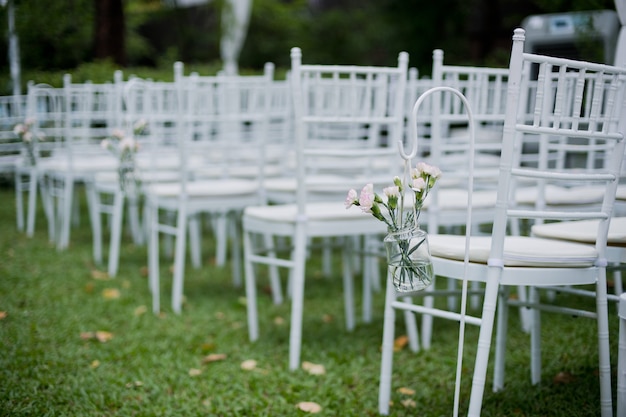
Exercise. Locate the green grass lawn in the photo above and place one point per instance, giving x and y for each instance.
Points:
(52, 363)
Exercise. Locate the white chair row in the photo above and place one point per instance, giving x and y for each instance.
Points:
(593, 110)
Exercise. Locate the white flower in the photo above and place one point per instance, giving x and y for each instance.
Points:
(392, 191)
(418, 184)
(423, 177)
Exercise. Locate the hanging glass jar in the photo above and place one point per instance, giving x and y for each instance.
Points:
(409, 260)
(127, 174)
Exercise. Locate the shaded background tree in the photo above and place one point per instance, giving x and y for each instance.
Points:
(91, 38)
(110, 31)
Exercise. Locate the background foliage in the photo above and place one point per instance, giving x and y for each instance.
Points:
(57, 37)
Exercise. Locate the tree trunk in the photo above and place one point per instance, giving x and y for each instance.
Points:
(110, 31)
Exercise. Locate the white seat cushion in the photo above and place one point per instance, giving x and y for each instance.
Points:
(205, 188)
(518, 251)
(314, 211)
(582, 231)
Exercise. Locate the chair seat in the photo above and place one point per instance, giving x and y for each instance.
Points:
(560, 196)
(582, 231)
(243, 171)
(456, 199)
(112, 177)
(521, 251)
(205, 188)
(621, 192)
(91, 164)
(314, 211)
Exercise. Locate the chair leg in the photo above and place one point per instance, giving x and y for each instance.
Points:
(66, 214)
(277, 292)
(235, 232)
(410, 322)
(251, 305)
(535, 337)
(348, 285)
(621, 359)
(94, 204)
(384, 388)
(32, 203)
(179, 260)
(116, 232)
(221, 238)
(484, 342)
(427, 319)
(153, 258)
(606, 403)
(327, 244)
(48, 206)
(134, 219)
(19, 201)
(501, 337)
(194, 240)
(297, 296)
(617, 280)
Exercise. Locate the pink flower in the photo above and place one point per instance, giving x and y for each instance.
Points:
(351, 198)
(118, 134)
(366, 199)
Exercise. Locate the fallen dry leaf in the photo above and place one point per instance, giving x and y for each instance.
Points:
(111, 293)
(309, 407)
(143, 271)
(248, 365)
(135, 384)
(408, 403)
(140, 310)
(194, 372)
(400, 343)
(406, 391)
(99, 275)
(103, 336)
(279, 321)
(89, 287)
(94, 364)
(214, 357)
(564, 378)
(3, 315)
(313, 368)
(327, 318)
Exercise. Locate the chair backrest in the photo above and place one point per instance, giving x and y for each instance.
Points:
(155, 105)
(226, 120)
(46, 106)
(485, 90)
(12, 112)
(571, 100)
(347, 122)
(447, 139)
(90, 112)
